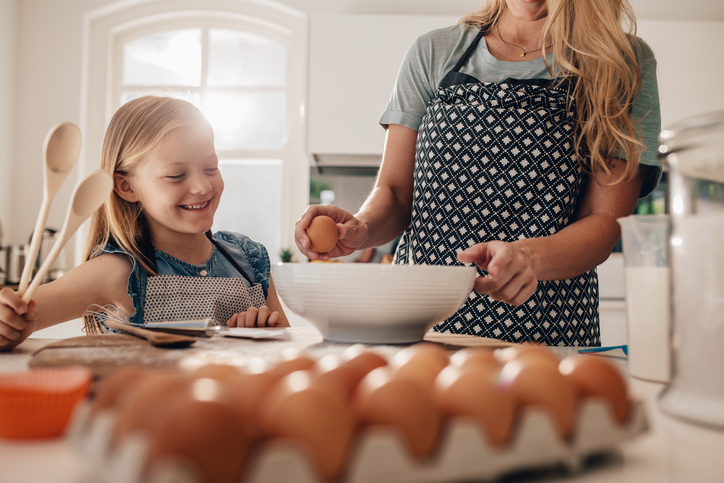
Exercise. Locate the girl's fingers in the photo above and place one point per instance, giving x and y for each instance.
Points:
(275, 320)
(251, 315)
(233, 320)
(263, 316)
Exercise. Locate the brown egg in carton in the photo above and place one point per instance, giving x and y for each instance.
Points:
(462, 449)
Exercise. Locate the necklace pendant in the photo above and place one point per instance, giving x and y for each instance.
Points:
(523, 54)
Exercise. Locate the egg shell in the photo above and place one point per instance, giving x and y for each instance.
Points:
(141, 405)
(473, 391)
(323, 233)
(290, 361)
(402, 404)
(528, 351)
(204, 434)
(331, 373)
(476, 357)
(319, 419)
(420, 363)
(594, 376)
(219, 372)
(535, 382)
(362, 358)
(110, 386)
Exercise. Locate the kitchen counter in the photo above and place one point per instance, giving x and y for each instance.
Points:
(671, 451)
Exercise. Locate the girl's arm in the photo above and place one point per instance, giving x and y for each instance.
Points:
(515, 268)
(102, 280)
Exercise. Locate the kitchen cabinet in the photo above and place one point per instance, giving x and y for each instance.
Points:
(353, 64)
(354, 60)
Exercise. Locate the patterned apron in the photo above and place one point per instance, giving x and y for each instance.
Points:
(496, 162)
(177, 298)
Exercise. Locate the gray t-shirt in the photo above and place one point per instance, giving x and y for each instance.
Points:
(435, 53)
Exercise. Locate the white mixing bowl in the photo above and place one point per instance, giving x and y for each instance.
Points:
(373, 303)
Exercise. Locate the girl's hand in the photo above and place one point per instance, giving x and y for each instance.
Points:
(511, 277)
(352, 232)
(17, 319)
(253, 317)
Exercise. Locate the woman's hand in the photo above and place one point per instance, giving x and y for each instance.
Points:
(352, 232)
(17, 319)
(253, 317)
(511, 277)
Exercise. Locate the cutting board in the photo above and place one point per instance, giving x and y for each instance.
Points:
(103, 353)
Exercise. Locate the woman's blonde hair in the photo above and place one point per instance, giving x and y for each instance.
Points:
(595, 54)
(135, 130)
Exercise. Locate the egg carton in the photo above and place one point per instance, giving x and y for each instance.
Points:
(380, 454)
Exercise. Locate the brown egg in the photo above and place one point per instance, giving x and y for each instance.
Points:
(331, 373)
(402, 404)
(292, 360)
(202, 431)
(323, 233)
(362, 358)
(535, 382)
(527, 350)
(141, 406)
(109, 387)
(420, 362)
(473, 391)
(475, 357)
(320, 419)
(219, 372)
(594, 376)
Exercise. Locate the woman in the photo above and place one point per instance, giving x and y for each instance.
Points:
(514, 141)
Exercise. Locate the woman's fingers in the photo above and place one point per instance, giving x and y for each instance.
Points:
(263, 316)
(510, 278)
(233, 320)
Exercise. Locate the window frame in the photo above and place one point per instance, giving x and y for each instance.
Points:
(106, 29)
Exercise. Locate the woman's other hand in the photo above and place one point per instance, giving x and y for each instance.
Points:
(17, 319)
(511, 277)
(253, 317)
(352, 232)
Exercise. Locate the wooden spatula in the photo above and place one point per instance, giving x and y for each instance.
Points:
(158, 339)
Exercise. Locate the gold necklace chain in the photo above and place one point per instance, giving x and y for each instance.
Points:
(497, 28)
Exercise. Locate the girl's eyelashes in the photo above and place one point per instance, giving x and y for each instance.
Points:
(177, 176)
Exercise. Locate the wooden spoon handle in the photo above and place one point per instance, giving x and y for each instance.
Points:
(156, 338)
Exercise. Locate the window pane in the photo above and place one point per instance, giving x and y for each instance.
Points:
(170, 58)
(252, 201)
(246, 121)
(193, 97)
(242, 59)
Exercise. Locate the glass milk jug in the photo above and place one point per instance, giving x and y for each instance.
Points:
(693, 150)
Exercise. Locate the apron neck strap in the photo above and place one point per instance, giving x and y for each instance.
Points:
(228, 256)
(471, 48)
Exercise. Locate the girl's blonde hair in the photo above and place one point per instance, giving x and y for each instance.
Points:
(135, 130)
(595, 53)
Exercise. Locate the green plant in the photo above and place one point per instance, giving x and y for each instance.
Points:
(286, 255)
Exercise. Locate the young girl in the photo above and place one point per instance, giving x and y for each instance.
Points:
(150, 252)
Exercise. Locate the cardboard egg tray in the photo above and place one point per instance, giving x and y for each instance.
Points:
(380, 454)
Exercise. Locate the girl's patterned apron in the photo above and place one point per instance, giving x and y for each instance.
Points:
(176, 297)
(496, 162)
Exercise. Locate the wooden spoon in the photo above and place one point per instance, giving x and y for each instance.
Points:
(60, 152)
(87, 197)
(158, 339)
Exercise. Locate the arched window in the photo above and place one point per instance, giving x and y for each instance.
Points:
(246, 73)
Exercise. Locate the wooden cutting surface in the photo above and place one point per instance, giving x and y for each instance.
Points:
(103, 353)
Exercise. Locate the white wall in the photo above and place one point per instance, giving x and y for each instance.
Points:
(41, 59)
(8, 47)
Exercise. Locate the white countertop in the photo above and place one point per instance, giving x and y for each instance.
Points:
(672, 451)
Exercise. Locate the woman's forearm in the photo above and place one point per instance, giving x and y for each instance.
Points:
(388, 208)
